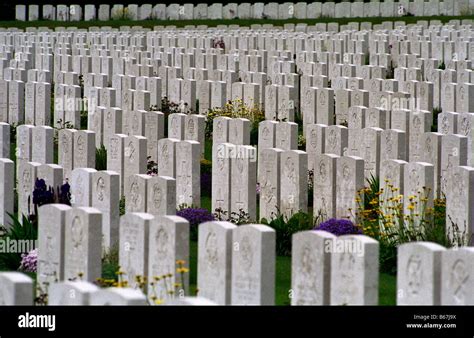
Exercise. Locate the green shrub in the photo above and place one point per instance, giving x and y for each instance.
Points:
(206, 166)
(28, 231)
(285, 228)
(237, 109)
(310, 187)
(434, 125)
(110, 264)
(387, 258)
(366, 59)
(301, 142)
(122, 206)
(84, 119)
(254, 133)
(13, 127)
(101, 158)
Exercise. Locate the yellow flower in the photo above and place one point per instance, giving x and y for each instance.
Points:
(159, 301)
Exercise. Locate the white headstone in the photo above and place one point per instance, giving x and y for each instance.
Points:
(71, 293)
(311, 267)
(16, 288)
(161, 199)
(419, 273)
(133, 247)
(456, 268)
(168, 243)
(118, 296)
(214, 261)
(253, 265)
(106, 198)
(7, 172)
(294, 176)
(355, 271)
(83, 247)
(350, 179)
(188, 173)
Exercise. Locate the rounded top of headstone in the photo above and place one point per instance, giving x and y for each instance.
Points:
(421, 245)
(16, 277)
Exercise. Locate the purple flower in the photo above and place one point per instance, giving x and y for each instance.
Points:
(206, 184)
(65, 194)
(339, 227)
(42, 194)
(29, 261)
(195, 216)
(65, 188)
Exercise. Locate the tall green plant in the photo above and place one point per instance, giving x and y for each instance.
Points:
(285, 228)
(434, 125)
(19, 231)
(394, 219)
(101, 158)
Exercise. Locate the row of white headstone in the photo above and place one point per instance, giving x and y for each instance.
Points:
(367, 86)
(340, 170)
(235, 176)
(236, 265)
(348, 157)
(360, 85)
(259, 10)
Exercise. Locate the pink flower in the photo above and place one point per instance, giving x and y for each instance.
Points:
(29, 261)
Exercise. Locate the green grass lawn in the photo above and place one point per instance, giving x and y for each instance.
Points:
(213, 23)
(387, 289)
(208, 149)
(206, 202)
